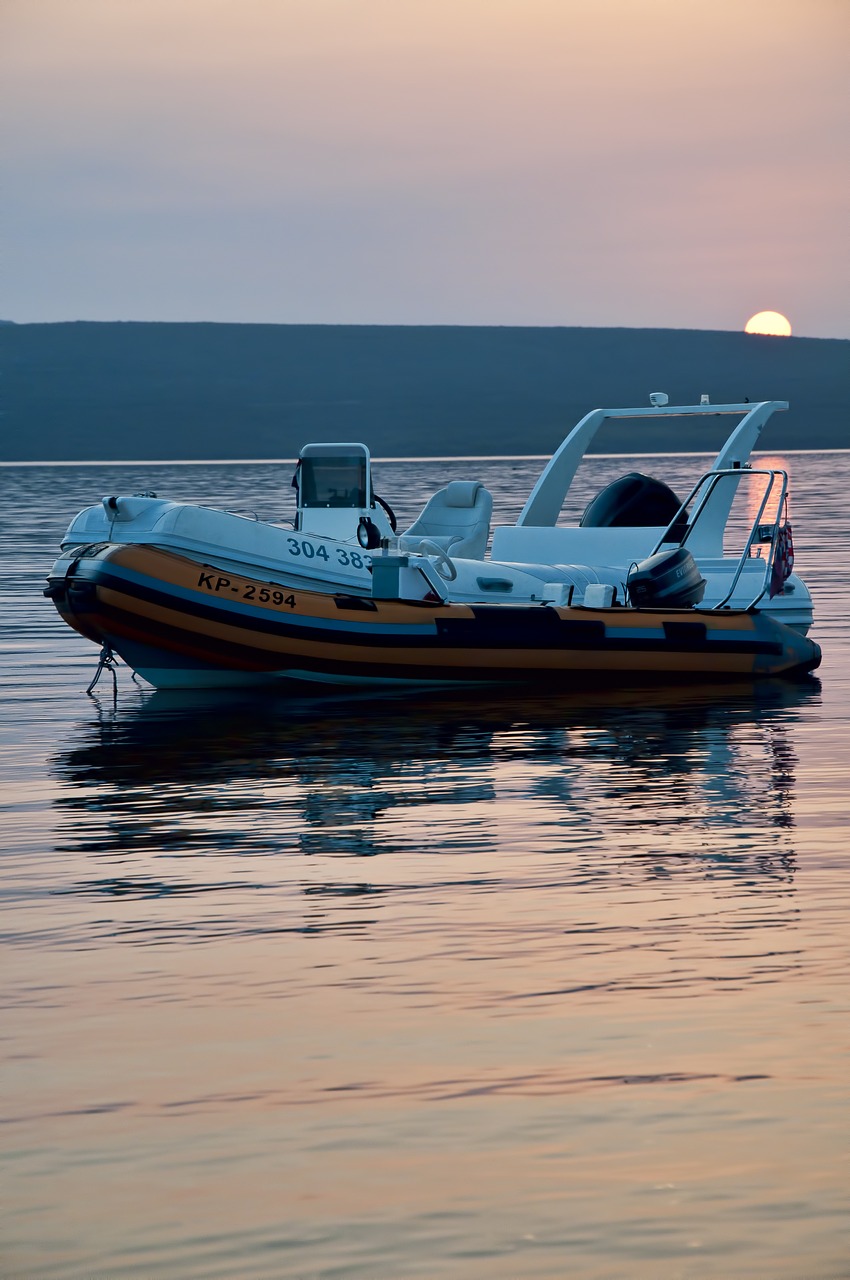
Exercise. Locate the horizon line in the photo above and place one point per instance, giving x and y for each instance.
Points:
(478, 457)
(417, 324)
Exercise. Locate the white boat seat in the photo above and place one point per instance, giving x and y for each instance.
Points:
(456, 518)
(573, 574)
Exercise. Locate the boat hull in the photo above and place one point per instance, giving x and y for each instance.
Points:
(180, 623)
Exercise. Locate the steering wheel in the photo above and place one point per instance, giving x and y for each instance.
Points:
(444, 565)
(389, 511)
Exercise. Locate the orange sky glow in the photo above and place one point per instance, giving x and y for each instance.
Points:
(580, 162)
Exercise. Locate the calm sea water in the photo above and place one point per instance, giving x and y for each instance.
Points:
(499, 985)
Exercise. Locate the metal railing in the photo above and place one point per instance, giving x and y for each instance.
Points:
(761, 531)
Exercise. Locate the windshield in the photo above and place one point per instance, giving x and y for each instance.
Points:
(333, 481)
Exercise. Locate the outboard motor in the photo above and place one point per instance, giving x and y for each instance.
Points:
(667, 580)
(636, 501)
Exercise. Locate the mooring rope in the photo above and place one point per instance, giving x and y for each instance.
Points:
(106, 663)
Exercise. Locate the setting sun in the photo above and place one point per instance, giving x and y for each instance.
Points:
(771, 322)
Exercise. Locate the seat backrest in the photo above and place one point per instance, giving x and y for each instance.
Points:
(457, 518)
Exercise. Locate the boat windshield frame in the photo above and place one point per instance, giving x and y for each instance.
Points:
(334, 476)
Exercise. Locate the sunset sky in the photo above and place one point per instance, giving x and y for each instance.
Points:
(672, 163)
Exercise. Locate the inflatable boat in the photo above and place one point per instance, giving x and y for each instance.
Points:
(644, 586)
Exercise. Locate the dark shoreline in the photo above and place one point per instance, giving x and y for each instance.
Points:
(82, 391)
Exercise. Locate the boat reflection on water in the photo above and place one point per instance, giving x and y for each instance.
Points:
(637, 785)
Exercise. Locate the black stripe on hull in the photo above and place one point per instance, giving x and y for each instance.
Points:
(116, 625)
(149, 643)
(491, 628)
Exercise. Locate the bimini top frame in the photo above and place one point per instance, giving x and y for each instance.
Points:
(547, 497)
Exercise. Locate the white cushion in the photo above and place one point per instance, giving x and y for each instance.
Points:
(461, 493)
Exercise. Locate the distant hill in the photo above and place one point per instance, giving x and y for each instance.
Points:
(88, 391)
